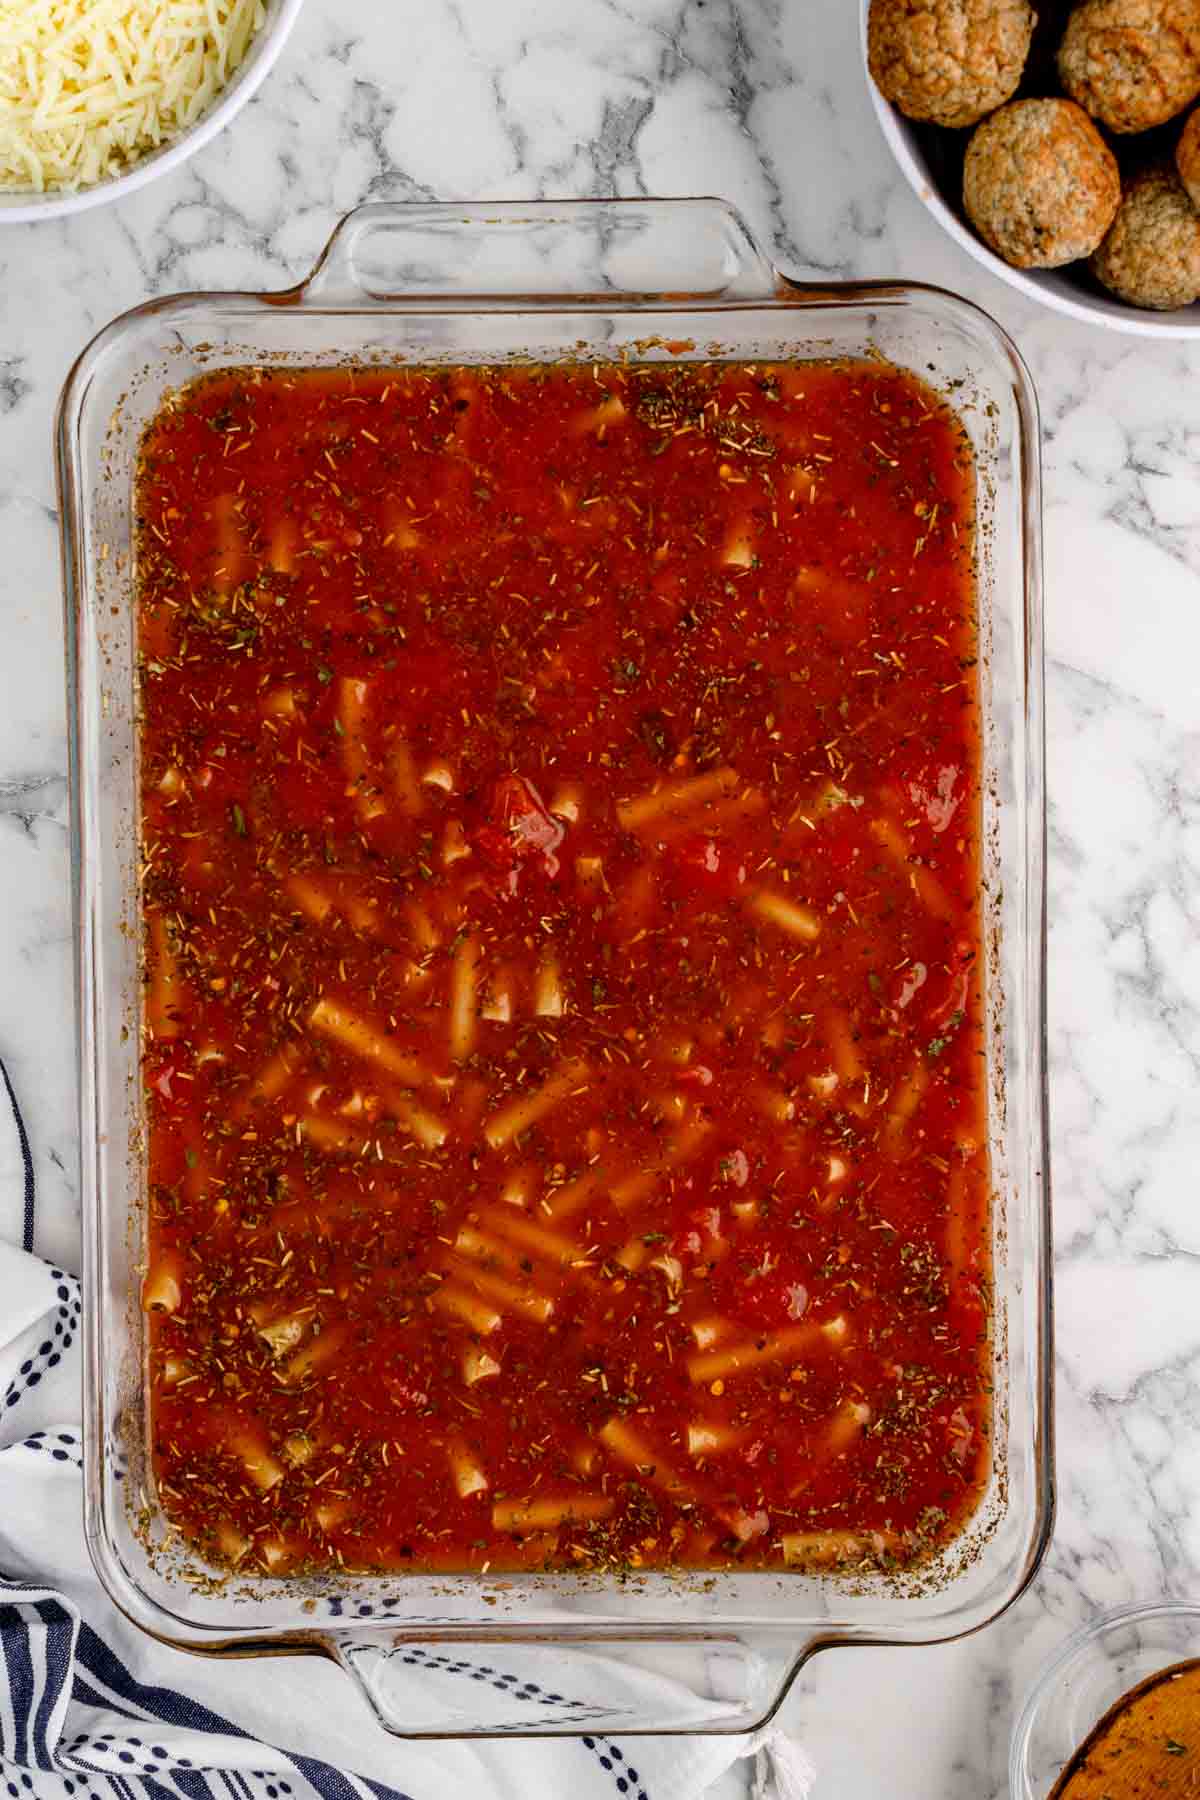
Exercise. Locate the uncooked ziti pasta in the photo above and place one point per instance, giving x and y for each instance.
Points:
(562, 1036)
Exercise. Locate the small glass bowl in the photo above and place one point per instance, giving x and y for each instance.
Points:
(1087, 1676)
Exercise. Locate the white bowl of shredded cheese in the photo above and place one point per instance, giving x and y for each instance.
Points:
(98, 97)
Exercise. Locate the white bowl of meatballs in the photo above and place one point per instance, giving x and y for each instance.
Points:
(1058, 142)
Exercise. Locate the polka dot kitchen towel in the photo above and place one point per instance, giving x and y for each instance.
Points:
(93, 1709)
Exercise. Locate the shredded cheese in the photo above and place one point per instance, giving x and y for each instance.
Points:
(89, 87)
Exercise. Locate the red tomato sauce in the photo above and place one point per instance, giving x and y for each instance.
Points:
(562, 1033)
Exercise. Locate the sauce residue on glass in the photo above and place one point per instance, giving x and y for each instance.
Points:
(562, 1037)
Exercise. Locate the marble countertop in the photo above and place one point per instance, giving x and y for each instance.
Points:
(761, 101)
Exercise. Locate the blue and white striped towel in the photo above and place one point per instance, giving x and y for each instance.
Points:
(92, 1709)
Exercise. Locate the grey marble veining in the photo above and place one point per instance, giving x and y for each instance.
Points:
(761, 101)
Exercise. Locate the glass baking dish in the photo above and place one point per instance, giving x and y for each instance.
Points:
(593, 280)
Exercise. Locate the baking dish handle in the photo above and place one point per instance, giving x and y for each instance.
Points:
(446, 1685)
(591, 250)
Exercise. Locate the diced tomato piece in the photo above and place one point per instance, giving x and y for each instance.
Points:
(520, 833)
(744, 1525)
(961, 1435)
(702, 1232)
(735, 1167)
(933, 795)
(532, 830)
(706, 865)
(908, 982)
(495, 846)
(770, 1301)
(955, 1000)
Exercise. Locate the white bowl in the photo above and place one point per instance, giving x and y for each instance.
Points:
(1057, 288)
(24, 209)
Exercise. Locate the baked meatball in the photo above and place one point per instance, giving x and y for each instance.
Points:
(1187, 157)
(1151, 256)
(948, 61)
(1040, 185)
(1132, 63)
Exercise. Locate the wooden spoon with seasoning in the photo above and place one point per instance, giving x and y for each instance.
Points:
(1146, 1746)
